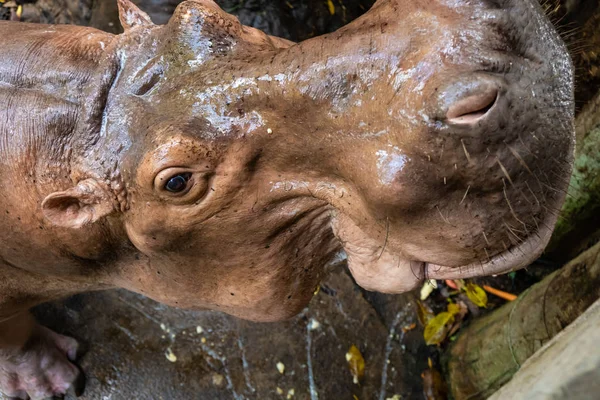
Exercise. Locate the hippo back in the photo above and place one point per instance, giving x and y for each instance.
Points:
(49, 77)
(45, 72)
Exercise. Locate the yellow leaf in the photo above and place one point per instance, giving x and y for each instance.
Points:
(476, 294)
(453, 308)
(331, 7)
(438, 327)
(424, 313)
(356, 363)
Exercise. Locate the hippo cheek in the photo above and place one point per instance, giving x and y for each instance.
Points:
(267, 292)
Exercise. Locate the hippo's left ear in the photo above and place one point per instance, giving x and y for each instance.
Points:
(131, 16)
(79, 206)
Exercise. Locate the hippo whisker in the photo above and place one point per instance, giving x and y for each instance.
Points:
(519, 158)
(565, 181)
(519, 239)
(465, 195)
(532, 193)
(504, 171)
(557, 213)
(527, 148)
(487, 254)
(514, 241)
(387, 232)
(555, 190)
(537, 227)
(420, 265)
(512, 211)
(487, 154)
(442, 215)
(485, 237)
(466, 151)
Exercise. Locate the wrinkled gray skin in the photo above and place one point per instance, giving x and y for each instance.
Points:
(208, 165)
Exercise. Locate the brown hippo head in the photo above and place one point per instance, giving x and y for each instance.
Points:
(426, 139)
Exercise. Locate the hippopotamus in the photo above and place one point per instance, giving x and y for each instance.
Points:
(207, 165)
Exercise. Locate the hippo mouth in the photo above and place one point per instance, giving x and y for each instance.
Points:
(379, 268)
(512, 259)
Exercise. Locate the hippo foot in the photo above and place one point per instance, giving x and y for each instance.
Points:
(42, 369)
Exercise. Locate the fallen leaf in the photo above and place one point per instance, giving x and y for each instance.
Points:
(450, 283)
(356, 363)
(459, 311)
(429, 286)
(453, 308)
(434, 387)
(438, 327)
(410, 327)
(424, 313)
(476, 294)
(331, 7)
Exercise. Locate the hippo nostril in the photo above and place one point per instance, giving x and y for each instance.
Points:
(472, 108)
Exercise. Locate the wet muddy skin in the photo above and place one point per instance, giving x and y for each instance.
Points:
(128, 340)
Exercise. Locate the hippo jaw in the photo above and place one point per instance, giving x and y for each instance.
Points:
(376, 268)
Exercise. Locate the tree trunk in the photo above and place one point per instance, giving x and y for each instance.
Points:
(567, 364)
(488, 352)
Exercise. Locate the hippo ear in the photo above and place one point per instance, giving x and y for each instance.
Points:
(78, 206)
(131, 16)
(202, 23)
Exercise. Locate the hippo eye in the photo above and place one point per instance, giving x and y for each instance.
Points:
(178, 183)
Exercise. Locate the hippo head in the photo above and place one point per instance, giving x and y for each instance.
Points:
(426, 139)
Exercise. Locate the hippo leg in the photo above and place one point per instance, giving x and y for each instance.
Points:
(35, 362)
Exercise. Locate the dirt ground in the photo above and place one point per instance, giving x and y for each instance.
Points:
(138, 349)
